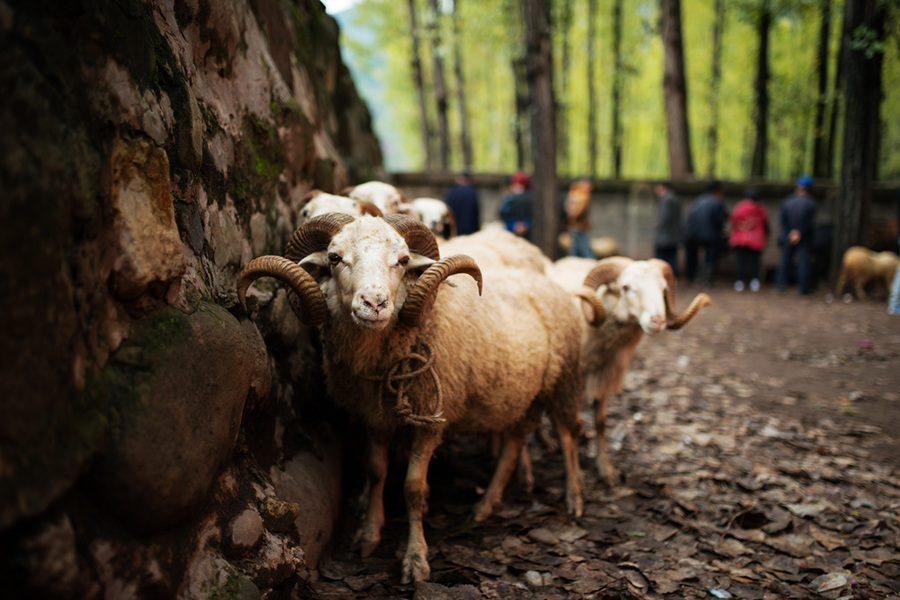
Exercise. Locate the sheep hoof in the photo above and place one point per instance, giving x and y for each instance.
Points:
(575, 505)
(415, 568)
(483, 510)
(607, 473)
(367, 542)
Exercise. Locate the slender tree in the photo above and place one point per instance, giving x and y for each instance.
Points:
(439, 84)
(543, 121)
(464, 139)
(520, 81)
(835, 111)
(592, 89)
(618, 72)
(820, 143)
(562, 105)
(864, 50)
(681, 164)
(425, 128)
(712, 132)
(761, 89)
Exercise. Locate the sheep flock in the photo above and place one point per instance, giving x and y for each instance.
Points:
(428, 337)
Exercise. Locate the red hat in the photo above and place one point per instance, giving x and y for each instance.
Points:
(521, 178)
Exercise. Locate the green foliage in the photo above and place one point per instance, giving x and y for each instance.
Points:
(491, 38)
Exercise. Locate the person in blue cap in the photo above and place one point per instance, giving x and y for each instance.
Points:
(798, 216)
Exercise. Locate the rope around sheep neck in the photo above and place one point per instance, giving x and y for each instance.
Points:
(397, 377)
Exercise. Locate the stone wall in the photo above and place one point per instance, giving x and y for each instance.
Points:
(154, 441)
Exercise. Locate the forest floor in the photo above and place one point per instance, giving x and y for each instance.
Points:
(758, 457)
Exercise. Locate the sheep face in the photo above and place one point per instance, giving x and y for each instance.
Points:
(637, 295)
(324, 203)
(362, 272)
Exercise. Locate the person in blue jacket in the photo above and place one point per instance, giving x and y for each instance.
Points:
(705, 221)
(798, 217)
(463, 200)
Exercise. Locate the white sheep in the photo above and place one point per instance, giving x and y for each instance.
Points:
(383, 195)
(436, 215)
(317, 202)
(498, 247)
(638, 297)
(402, 347)
(861, 265)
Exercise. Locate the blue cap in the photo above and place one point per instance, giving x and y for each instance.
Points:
(805, 181)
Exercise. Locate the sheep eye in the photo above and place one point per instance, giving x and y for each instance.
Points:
(626, 288)
(334, 259)
(404, 260)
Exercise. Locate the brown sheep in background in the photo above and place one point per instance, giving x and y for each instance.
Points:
(860, 266)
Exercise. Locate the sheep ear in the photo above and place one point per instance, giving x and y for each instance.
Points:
(316, 264)
(419, 262)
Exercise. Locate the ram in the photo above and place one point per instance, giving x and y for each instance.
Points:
(638, 297)
(404, 347)
(386, 197)
(436, 215)
(861, 265)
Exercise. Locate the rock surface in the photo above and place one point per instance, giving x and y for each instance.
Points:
(148, 150)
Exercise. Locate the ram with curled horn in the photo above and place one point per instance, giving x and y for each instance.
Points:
(410, 342)
(638, 297)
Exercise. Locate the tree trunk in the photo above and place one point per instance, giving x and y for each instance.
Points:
(425, 128)
(562, 129)
(835, 111)
(712, 133)
(440, 88)
(618, 69)
(820, 145)
(862, 99)
(681, 165)
(521, 85)
(592, 90)
(464, 139)
(543, 142)
(761, 114)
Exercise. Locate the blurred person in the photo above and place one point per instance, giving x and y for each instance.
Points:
(463, 200)
(705, 221)
(517, 208)
(577, 212)
(797, 217)
(669, 232)
(894, 298)
(749, 233)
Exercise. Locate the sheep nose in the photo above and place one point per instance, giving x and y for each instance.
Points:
(658, 322)
(375, 301)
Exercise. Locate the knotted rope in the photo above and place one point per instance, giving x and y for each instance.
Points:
(398, 376)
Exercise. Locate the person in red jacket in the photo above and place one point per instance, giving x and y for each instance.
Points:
(749, 234)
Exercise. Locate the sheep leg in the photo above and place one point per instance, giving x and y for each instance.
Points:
(574, 503)
(513, 443)
(526, 471)
(369, 534)
(415, 561)
(860, 288)
(604, 464)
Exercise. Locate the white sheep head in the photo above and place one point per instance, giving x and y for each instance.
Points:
(383, 195)
(365, 267)
(641, 292)
(317, 202)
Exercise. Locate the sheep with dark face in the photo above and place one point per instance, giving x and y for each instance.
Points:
(408, 342)
(638, 297)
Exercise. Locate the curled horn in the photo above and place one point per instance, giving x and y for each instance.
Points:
(368, 208)
(421, 297)
(305, 293)
(675, 321)
(315, 235)
(591, 306)
(606, 270)
(418, 237)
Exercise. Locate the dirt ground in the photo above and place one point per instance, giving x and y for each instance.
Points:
(758, 456)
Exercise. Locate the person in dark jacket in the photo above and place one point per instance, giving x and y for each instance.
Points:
(516, 210)
(463, 200)
(704, 232)
(798, 217)
(669, 231)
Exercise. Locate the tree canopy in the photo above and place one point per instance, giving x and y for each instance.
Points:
(377, 45)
